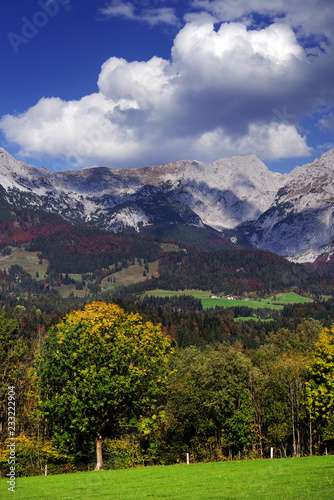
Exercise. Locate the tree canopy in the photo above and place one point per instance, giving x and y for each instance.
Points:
(100, 370)
(320, 385)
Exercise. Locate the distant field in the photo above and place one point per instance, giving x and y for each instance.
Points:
(170, 293)
(169, 247)
(290, 298)
(277, 302)
(253, 304)
(28, 260)
(248, 318)
(130, 275)
(310, 478)
(65, 290)
(30, 263)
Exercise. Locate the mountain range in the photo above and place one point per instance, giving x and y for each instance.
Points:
(237, 198)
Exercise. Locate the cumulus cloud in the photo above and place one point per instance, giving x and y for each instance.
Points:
(270, 141)
(227, 89)
(143, 83)
(310, 17)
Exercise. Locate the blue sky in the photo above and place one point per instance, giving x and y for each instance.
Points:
(128, 83)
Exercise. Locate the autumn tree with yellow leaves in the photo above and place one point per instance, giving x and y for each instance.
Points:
(100, 371)
(319, 390)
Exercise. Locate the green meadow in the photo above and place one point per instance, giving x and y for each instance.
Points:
(28, 260)
(308, 478)
(129, 275)
(276, 302)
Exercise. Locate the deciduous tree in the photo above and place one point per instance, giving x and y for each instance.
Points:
(100, 370)
(320, 388)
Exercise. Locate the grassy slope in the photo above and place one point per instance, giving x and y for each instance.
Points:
(127, 276)
(28, 260)
(248, 318)
(130, 275)
(299, 478)
(276, 302)
(30, 263)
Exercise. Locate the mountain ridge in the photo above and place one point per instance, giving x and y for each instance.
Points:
(289, 214)
(300, 223)
(234, 192)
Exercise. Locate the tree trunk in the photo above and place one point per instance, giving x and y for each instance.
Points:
(99, 459)
(310, 437)
(294, 445)
(298, 438)
(260, 436)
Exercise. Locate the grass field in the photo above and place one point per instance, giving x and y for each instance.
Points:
(170, 293)
(130, 275)
(309, 478)
(65, 290)
(127, 276)
(277, 302)
(30, 263)
(291, 298)
(28, 260)
(248, 318)
(170, 247)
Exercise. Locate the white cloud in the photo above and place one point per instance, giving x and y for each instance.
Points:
(162, 15)
(309, 17)
(117, 8)
(70, 129)
(327, 122)
(269, 142)
(233, 53)
(226, 90)
(143, 83)
(130, 11)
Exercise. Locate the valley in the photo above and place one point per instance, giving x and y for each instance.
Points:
(228, 333)
(167, 250)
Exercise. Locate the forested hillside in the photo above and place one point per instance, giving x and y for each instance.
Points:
(80, 249)
(19, 226)
(224, 386)
(236, 272)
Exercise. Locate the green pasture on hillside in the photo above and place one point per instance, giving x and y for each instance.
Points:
(198, 294)
(253, 318)
(170, 247)
(276, 302)
(253, 304)
(308, 478)
(129, 275)
(27, 260)
(290, 298)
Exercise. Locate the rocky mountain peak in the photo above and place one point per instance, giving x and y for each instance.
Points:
(290, 214)
(300, 223)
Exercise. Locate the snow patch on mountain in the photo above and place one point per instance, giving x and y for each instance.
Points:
(290, 214)
(127, 217)
(223, 194)
(300, 223)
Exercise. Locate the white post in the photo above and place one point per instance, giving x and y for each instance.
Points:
(187, 458)
(326, 450)
(46, 470)
(271, 452)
